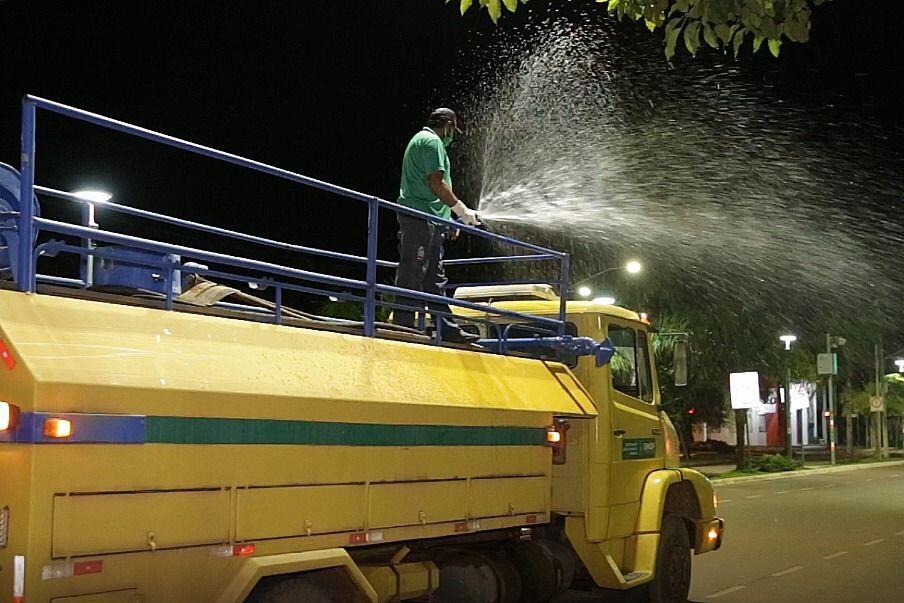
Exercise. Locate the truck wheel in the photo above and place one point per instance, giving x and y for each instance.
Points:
(673, 563)
(320, 586)
(465, 577)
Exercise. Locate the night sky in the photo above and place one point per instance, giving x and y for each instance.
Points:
(331, 89)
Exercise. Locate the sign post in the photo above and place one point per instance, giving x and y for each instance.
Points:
(827, 364)
(744, 389)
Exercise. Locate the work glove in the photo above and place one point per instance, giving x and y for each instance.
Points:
(467, 215)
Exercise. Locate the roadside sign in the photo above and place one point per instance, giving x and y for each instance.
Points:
(745, 390)
(877, 404)
(827, 364)
(800, 395)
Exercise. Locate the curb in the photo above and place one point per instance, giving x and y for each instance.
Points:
(803, 472)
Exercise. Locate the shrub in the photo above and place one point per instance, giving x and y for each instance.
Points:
(773, 463)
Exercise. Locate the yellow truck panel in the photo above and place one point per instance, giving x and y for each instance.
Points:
(97, 524)
(418, 503)
(282, 512)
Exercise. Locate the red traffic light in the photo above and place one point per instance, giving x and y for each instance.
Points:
(691, 411)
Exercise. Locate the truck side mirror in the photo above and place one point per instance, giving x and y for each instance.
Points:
(679, 356)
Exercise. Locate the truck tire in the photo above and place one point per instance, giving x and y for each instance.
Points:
(673, 563)
(465, 577)
(320, 586)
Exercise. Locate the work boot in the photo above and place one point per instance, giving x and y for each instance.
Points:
(456, 335)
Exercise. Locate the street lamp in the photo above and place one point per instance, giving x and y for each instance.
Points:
(94, 196)
(788, 340)
(631, 267)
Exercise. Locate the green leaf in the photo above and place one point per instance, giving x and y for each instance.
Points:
(710, 36)
(673, 29)
(774, 46)
(757, 42)
(692, 37)
(494, 7)
(511, 5)
(755, 6)
(465, 5)
(724, 32)
(651, 25)
(739, 41)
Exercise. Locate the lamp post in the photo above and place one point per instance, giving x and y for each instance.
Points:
(788, 340)
(92, 197)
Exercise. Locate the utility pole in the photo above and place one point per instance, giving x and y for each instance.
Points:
(848, 431)
(882, 391)
(788, 412)
(875, 418)
(831, 405)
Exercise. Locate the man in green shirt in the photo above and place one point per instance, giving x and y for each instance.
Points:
(427, 187)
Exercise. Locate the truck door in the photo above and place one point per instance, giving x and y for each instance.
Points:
(636, 441)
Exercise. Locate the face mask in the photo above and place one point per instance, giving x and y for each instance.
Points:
(447, 139)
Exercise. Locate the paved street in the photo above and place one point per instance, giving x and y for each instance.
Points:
(830, 537)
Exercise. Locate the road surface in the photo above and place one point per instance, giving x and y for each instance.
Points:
(830, 537)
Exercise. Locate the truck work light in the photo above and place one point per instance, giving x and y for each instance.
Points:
(9, 416)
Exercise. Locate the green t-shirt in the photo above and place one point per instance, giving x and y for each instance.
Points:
(424, 155)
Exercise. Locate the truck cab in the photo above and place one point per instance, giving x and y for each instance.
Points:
(617, 483)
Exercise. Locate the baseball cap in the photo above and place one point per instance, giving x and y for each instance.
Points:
(444, 115)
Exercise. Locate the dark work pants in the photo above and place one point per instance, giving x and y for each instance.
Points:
(421, 268)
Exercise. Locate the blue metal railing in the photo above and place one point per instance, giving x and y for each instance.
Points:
(278, 276)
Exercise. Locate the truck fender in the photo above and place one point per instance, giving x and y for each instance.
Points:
(704, 490)
(256, 568)
(652, 499)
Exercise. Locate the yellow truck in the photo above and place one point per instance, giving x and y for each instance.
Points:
(160, 447)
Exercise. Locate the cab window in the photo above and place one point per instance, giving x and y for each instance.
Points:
(630, 366)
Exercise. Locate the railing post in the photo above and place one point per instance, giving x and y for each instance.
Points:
(26, 226)
(277, 310)
(564, 286)
(370, 297)
(168, 270)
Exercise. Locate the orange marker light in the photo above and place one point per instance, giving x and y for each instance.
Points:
(555, 439)
(57, 428)
(712, 534)
(242, 550)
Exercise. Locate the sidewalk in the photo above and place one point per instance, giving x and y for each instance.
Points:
(714, 471)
